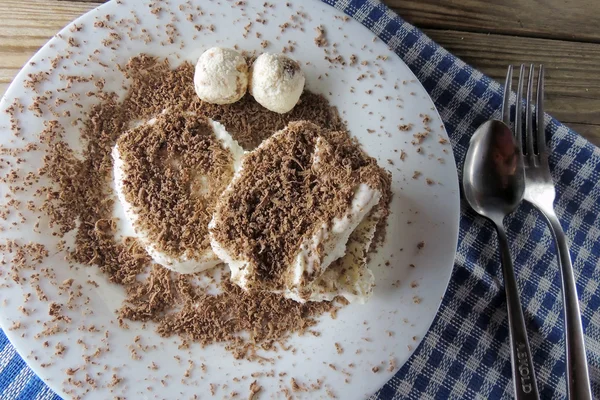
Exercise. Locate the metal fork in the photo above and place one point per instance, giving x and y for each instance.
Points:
(539, 191)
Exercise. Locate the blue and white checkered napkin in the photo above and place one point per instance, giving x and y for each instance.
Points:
(465, 355)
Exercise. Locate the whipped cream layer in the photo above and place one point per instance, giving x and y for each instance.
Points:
(348, 274)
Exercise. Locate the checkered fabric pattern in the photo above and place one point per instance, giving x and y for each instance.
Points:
(465, 355)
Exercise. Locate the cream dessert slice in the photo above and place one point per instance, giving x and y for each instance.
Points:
(169, 172)
(348, 276)
(289, 211)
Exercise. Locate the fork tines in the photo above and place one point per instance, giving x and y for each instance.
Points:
(535, 144)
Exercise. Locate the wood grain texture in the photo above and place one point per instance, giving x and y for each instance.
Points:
(573, 69)
(25, 26)
(590, 132)
(577, 20)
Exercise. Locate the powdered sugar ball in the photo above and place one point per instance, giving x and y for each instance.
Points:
(276, 82)
(221, 76)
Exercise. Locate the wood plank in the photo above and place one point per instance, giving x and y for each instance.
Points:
(559, 19)
(573, 71)
(590, 132)
(25, 26)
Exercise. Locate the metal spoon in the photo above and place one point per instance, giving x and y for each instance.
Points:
(494, 183)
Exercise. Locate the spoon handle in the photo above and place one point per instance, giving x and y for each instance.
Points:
(522, 362)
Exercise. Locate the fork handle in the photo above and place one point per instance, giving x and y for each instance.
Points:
(523, 372)
(578, 379)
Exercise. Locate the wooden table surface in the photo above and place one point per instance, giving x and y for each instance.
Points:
(564, 35)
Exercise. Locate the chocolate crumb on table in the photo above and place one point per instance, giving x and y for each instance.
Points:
(392, 365)
(339, 348)
(320, 39)
(255, 389)
(296, 387)
(330, 393)
(353, 59)
(16, 325)
(419, 137)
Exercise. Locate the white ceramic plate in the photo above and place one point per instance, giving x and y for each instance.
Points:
(388, 328)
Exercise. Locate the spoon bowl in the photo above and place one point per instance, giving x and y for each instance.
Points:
(493, 174)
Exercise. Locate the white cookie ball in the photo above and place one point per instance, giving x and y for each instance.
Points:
(221, 76)
(276, 82)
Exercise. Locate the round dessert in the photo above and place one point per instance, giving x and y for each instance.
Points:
(221, 76)
(290, 210)
(276, 82)
(168, 175)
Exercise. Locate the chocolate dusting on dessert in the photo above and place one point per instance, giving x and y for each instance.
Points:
(81, 198)
(283, 193)
(175, 168)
